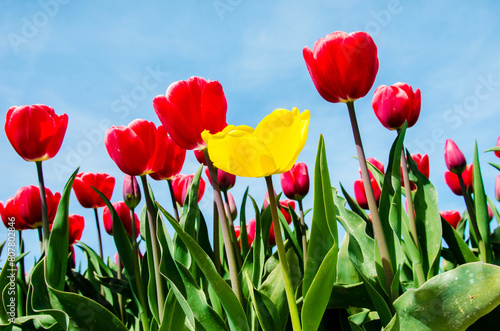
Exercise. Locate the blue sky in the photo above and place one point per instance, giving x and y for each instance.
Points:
(102, 63)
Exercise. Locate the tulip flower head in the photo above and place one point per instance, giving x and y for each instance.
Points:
(295, 182)
(394, 105)
(271, 148)
(451, 216)
(422, 166)
(88, 198)
(172, 163)
(124, 214)
(135, 148)
(131, 191)
(29, 205)
(10, 215)
(180, 185)
(376, 163)
(453, 157)
(35, 131)
(342, 66)
(360, 194)
(76, 223)
(451, 180)
(226, 180)
(189, 107)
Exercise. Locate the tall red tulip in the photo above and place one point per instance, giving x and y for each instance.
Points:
(134, 148)
(180, 184)
(295, 182)
(342, 66)
(225, 179)
(453, 157)
(360, 194)
(189, 107)
(394, 105)
(10, 215)
(451, 216)
(89, 198)
(172, 163)
(35, 131)
(124, 214)
(29, 205)
(452, 180)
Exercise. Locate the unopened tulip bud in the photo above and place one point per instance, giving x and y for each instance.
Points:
(295, 182)
(454, 158)
(131, 191)
(232, 207)
(497, 188)
(360, 194)
(451, 216)
(225, 179)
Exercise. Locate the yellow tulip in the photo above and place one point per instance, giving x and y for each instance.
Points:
(271, 148)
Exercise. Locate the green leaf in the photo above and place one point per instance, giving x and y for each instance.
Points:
(234, 310)
(58, 247)
(9, 269)
(346, 273)
(493, 149)
(495, 165)
(352, 295)
(46, 322)
(324, 234)
(264, 308)
(243, 223)
(480, 206)
(457, 245)
(453, 300)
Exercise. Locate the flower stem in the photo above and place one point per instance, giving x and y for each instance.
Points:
(98, 232)
(472, 217)
(303, 230)
(40, 238)
(217, 240)
(236, 247)
(45, 214)
(22, 297)
(290, 293)
(172, 196)
(372, 204)
(137, 273)
(160, 294)
(120, 297)
(411, 218)
(231, 258)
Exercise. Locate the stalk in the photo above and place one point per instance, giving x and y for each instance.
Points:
(303, 229)
(172, 196)
(285, 270)
(236, 247)
(98, 232)
(45, 214)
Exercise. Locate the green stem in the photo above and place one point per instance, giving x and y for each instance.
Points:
(98, 232)
(236, 246)
(172, 196)
(22, 297)
(472, 217)
(233, 268)
(45, 214)
(217, 240)
(303, 230)
(40, 238)
(160, 295)
(120, 297)
(137, 273)
(372, 204)
(290, 293)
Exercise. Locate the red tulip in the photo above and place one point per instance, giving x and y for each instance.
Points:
(190, 107)
(343, 66)
(497, 153)
(131, 191)
(422, 166)
(200, 156)
(29, 205)
(75, 228)
(451, 216)
(360, 195)
(10, 216)
(251, 231)
(284, 204)
(394, 105)
(124, 214)
(89, 198)
(295, 182)
(453, 157)
(172, 163)
(452, 180)
(377, 164)
(225, 179)
(135, 148)
(35, 132)
(180, 184)
(497, 188)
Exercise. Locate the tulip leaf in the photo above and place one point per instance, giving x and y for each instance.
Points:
(457, 245)
(8, 269)
(243, 225)
(495, 165)
(494, 210)
(288, 232)
(258, 246)
(453, 300)
(30, 322)
(265, 309)
(323, 234)
(174, 317)
(57, 252)
(493, 149)
(233, 308)
(358, 210)
(481, 207)
(346, 273)
(344, 296)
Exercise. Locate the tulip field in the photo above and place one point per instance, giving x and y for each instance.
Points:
(403, 264)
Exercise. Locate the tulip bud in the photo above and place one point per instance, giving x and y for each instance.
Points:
(497, 188)
(376, 163)
(295, 182)
(200, 156)
(180, 185)
(232, 207)
(451, 180)
(124, 215)
(226, 180)
(454, 158)
(360, 194)
(394, 105)
(451, 216)
(76, 223)
(131, 191)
